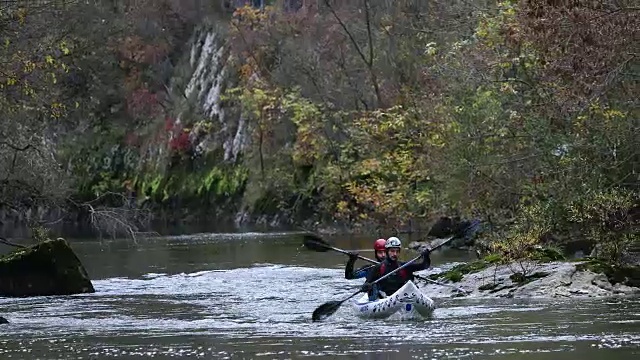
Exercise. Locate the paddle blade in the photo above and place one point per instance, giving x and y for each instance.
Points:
(325, 310)
(315, 243)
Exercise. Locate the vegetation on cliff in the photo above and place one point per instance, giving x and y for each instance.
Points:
(521, 113)
(83, 85)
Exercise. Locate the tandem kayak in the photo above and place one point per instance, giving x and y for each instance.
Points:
(408, 302)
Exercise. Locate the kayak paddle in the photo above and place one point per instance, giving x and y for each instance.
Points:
(316, 243)
(329, 308)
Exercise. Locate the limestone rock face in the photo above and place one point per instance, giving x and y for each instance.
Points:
(48, 268)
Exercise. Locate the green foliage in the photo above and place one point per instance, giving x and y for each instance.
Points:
(39, 234)
(477, 124)
(521, 279)
(456, 273)
(382, 114)
(604, 217)
(210, 185)
(616, 273)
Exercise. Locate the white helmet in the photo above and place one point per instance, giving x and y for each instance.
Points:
(393, 242)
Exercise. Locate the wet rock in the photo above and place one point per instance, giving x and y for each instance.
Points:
(465, 229)
(3, 320)
(530, 279)
(465, 232)
(48, 268)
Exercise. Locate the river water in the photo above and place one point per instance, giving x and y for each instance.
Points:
(250, 296)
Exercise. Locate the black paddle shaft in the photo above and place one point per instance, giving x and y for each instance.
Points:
(318, 244)
(357, 255)
(327, 309)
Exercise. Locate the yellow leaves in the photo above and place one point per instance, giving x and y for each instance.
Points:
(11, 81)
(599, 118)
(506, 87)
(431, 49)
(423, 197)
(250, 17)
(370, 165)
(482, 31)
(64, 48)
(28, 90)
(342, 206)
(58, 110)
(436, 140)
(28, 66)
(49, 59)
(21, 14)
(612, 114)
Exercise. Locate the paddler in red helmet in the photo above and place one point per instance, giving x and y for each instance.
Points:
(349, 273)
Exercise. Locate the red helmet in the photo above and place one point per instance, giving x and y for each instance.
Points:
(379, 244)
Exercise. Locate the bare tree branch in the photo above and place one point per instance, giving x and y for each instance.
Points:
(7, 242)
(354, 42)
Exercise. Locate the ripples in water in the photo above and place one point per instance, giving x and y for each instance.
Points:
(264, 311)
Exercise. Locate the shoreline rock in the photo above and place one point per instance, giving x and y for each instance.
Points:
(47, 268)
(557, 279)
(3, 320)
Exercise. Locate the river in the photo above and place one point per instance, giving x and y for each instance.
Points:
(250, 296)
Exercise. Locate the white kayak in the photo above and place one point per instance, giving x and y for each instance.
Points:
(408, 303)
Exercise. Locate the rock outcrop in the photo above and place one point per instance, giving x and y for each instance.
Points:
(556, 279)
(48, 268)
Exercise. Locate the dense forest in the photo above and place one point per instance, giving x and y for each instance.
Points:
(367, 114)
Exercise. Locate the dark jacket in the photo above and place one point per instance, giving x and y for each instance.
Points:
(394, 282)
(350, 274)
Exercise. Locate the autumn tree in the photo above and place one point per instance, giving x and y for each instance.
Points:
(35, 60)
(352, 61)
(78, 79)
(519, 112)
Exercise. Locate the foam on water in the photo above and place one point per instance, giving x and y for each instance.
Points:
(268, 304)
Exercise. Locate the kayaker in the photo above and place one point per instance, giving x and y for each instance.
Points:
(380, 253)
(393, 246)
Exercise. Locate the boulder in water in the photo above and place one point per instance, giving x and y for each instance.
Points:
(48, 268)
(3, 320)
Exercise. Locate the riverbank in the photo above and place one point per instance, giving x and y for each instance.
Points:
(74, 223)
(530, 279)
(195, 297)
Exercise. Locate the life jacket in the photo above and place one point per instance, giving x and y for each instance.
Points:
(404, 274)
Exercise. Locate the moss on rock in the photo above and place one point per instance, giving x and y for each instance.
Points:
(616, 274)
(547, 254)
(48, 268)
(456, 273)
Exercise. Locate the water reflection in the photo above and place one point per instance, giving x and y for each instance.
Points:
(249, 296)
(222, 251)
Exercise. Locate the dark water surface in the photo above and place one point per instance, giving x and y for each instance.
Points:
(250, 296)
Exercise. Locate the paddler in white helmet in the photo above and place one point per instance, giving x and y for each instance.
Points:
(391, 284)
